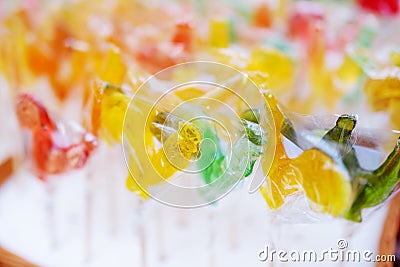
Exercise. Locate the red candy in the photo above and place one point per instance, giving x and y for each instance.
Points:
(382, 7)
(48, 155)
(183, 35)
(303, 21)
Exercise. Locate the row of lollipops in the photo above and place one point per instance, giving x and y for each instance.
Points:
(161, 139)
(337, 183)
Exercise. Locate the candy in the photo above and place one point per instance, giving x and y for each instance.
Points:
(335, 174)
(281, 179)
(395, 57)
(262, 16)
(219, 33)
(184, 35)
(379, 185)
(114, 68)
(113, 107)
(49, 152)
(325, 184)
(277, 65)
(383, 95)
(219, 170)
(148, 165)
(381, 7)
(305, 67)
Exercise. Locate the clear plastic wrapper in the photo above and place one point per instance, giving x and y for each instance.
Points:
(200, 100)
(327, 166)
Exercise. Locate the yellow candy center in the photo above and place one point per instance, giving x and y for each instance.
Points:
(189, 140)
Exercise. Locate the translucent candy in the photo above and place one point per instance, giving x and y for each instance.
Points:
(263, 16)
(219, 170)
(113, 107)
(109, 102)
(349, 72)
(382, 7)
(380, 92)
(219, 33)
(188, 135)
(184, 35)
(335, 182)
(326, 184)
(377, 185)
(395, 57)
(14, 50)
(114, 68)
(304, 16)
(146, 172)
(281, 180)
(210, 152)
(394, 109)
(237, 165)
(52, 151)
(278, 66)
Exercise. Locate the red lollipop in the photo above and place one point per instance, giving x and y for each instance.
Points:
(380, 7)
(50, 156)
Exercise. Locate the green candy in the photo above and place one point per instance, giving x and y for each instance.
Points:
(216, 169)
(372, 187)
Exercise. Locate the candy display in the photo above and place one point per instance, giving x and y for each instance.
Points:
(187, 102)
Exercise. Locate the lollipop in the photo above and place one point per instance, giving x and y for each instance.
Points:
(380, 7)
(335, 183)
(189, 133)
(383, 94)
(160, 55)
(196, 133)
(225, 170)
(51, 150)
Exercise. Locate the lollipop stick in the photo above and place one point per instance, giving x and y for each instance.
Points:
(112, 206)
(211, 219)
(143, 255)
(142, 234)
(274, 234)
(160, 235)
(182, 218)
(88, 219)
(233, 238)
(348, 233)
(50, 214)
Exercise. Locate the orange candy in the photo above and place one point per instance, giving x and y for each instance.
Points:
(262, 16)
(326, 185)
(281, 180)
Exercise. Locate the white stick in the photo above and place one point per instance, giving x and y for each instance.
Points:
(88, 218)
(233, 237)
(348, 233)
(182, 218)
(212, 225)
(50, 214)
(112, 196)
(142, 233)
(274, 234)
(160, 235)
